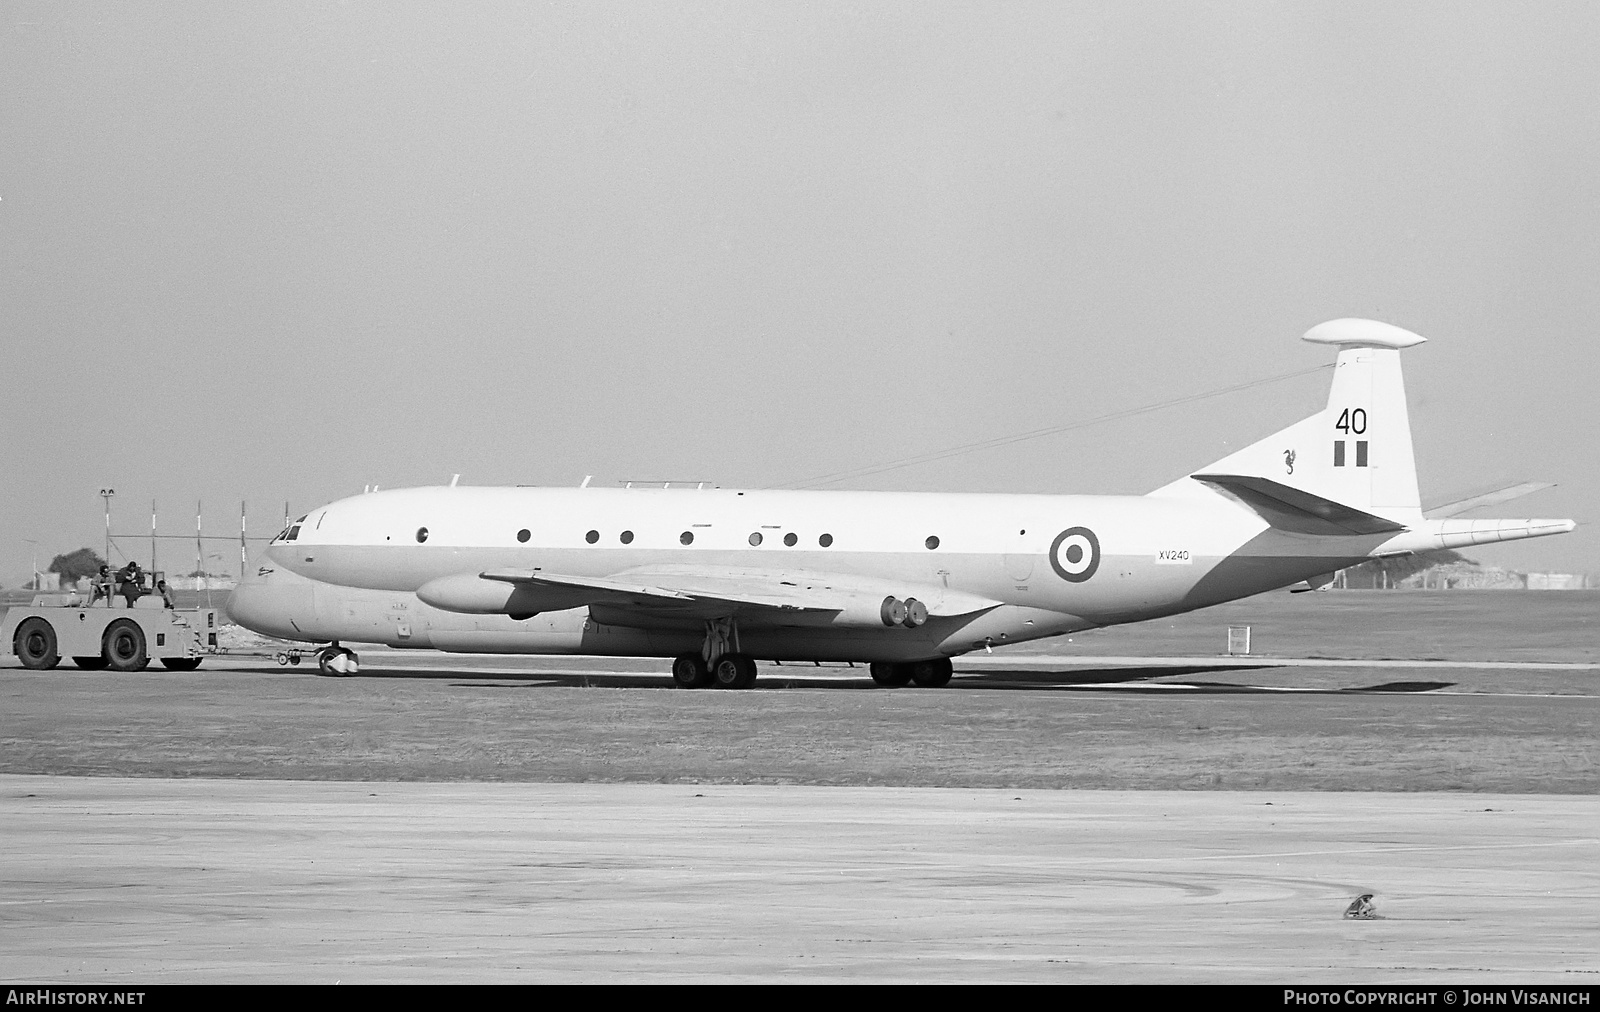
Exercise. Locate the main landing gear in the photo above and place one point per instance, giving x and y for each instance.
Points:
(719, 661)
(731, 671)
(927, 674)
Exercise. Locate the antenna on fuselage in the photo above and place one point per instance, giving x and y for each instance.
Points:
(453, 479)
(586, 479)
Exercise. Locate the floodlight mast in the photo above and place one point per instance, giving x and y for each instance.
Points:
(106, 494)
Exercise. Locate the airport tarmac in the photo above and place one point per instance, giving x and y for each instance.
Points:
(113, 879)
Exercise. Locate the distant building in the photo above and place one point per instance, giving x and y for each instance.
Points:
(1466, 575)
(207, 582)
(1557, 581)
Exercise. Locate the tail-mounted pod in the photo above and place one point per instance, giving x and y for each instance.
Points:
(910, 613)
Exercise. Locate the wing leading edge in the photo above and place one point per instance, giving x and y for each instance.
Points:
(761, 595)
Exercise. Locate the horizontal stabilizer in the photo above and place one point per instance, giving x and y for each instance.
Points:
(1494, 498)
(1298, 511)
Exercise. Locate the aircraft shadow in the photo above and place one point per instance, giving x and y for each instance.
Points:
(1012, 679)
(858, 678)
(1120, 679)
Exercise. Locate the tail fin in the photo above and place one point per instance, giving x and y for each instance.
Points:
(1356, 452)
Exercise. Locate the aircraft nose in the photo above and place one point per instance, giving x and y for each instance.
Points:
(273, 607)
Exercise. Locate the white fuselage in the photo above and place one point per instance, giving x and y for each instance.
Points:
(352, 569)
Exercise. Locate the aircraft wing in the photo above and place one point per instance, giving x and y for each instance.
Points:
(754, 594)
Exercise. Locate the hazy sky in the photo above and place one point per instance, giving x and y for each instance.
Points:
(276, 251)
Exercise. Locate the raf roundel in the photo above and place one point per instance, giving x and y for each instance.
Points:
(1075, 554)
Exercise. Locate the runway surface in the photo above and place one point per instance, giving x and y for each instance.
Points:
(160, 880)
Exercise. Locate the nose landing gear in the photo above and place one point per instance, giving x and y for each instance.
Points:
(336, 661)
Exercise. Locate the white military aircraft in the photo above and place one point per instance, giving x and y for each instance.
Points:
(718, 578)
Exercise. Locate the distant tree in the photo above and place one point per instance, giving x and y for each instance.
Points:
(74, 565)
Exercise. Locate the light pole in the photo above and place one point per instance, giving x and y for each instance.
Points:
(106, 494)
(207, 577)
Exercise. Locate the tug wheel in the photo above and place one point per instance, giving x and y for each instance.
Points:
(35, 644)
(123, 646)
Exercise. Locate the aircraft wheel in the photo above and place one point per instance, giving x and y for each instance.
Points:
(932, 674)
(690, 672)
(180, 663)
(734, 671)
(123, 646)
(35, 644)
(90, 663)
(336, 662)
(890, 675)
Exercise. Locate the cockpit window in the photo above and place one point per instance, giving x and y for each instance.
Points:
(294, 532)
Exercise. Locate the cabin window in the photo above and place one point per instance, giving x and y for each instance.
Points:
(826, 541)
(791, 539)
(422, 535)
(755, 539)
(592, 537)
(626, 537)
(932, 542)
(523, 535)
(686, 538)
